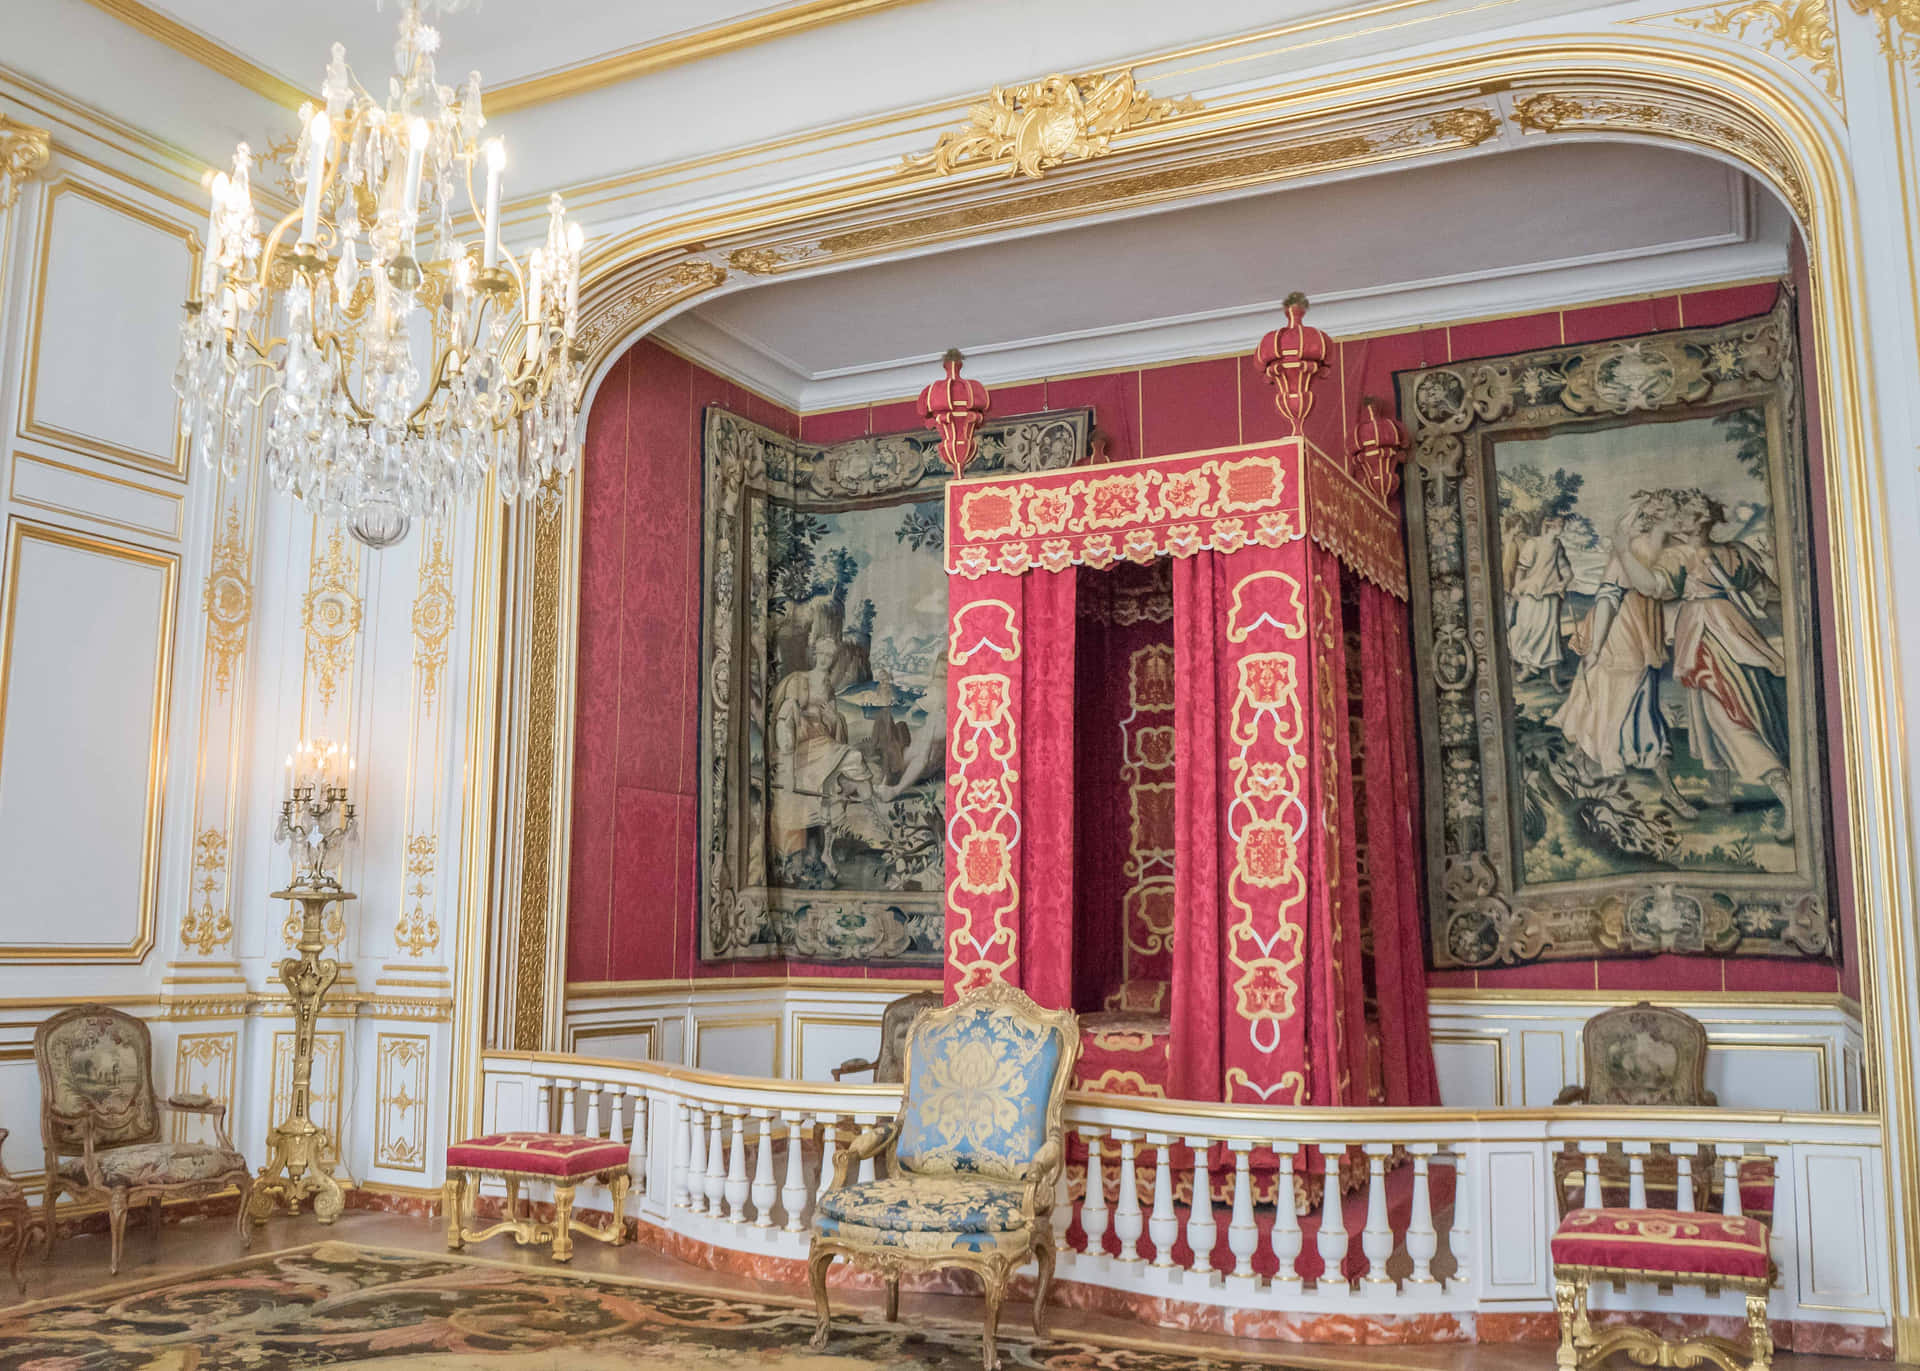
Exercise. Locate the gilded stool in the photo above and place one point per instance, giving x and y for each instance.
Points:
(1668, 1247)
(561, 1160)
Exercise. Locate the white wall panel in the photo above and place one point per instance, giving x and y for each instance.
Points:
(83, 717)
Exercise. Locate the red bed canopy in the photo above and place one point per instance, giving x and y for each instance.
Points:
(1296, 970)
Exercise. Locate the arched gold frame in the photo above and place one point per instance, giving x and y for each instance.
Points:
(1619, 85)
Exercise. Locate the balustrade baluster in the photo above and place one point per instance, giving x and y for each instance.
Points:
(1164, 1226)
(716, 1162)
(1422, 1241)
(1636, 1172)
(862, 1122)
(592, 1129)
(543, 1117)
(1093, 1206)
(1062, 1217)
(737, 1188)
(1460, 1230)
(696, 1157)
(570, 1107)
(1243, 1234)
(1127, 1224)
(1332, 1239)
(1287, 1239)
(829, 1126)
(680, 1155)
(1376, 1238)
(616, 1113)
(637, 1133)
(1593, 1197)
(764, 1189)
(1683, 1154)
(793, 1194)
(1730, 1154)
(1202, 1231)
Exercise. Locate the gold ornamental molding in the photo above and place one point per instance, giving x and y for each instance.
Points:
(536, 90)
(1899, 22)
(227, 599)
(24, 151)
(433, 614)
(330, 616)
(1048, 122)
(1798, 32)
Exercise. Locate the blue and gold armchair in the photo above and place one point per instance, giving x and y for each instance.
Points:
(969, 1166)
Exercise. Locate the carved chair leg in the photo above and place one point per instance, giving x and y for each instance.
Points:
(817, 1264)
(1567, 1357)
(52, 1194)
(240, 1221)
(513, 1198)
(21, 1234)
(1043, 1285)
(1759, 1336)
(622, 1182)
(996, 1290)
(893, 1299)
(563, 1223)
(450, 1204)
(153, 1216)
(117, 1223)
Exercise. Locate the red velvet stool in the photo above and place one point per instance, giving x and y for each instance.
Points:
(560, 1159)
(1668, 1247)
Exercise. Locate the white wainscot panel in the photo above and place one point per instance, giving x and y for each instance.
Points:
(40, 483)
(1794, 1075)
(747, 1045)
(1515, 1204)
(627, 1044)
(107, 329)
(1838, 1223)
(1472, 1070)
(822, 1042)
(83, 711)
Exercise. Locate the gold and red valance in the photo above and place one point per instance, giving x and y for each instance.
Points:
(1254, 495)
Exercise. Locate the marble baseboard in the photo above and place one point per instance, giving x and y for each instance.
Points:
(1804, 1336)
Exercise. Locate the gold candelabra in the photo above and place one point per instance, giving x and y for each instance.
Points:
(315, 821)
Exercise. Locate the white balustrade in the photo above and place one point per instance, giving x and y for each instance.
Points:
(716, 1177)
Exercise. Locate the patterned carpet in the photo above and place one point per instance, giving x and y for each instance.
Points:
(339, 1305)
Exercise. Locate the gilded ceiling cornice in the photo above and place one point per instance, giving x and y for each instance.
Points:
(1028, 129)
(535, 90)
(24, 151)
(1798, 32)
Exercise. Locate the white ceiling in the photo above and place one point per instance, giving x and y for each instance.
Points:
(1472, 238)
(505, 40)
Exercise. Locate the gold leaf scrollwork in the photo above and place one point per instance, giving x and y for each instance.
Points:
(330, 614)
(207, 925)
(1800, 32)
(1550, 112)
(1899, 22)
(24, 151)
(1047, 122)
(228, 600)
(418, 932)
(648, 299)
(433, 610)
(400, 1090)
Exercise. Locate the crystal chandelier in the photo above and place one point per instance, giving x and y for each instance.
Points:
(389, 382)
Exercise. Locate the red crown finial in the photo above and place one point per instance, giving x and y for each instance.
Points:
(1380, 448)
(1292, 356)
(956, 406)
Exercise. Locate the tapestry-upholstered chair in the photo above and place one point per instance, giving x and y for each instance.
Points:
(100, 1124)
(967, 1168)
(18, 1226)
(1643, 1054)
(895, 1020)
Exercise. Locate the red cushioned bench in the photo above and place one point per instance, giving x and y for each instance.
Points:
(1667, 1247)
(559, 1159)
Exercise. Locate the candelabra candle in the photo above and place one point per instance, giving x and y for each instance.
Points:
(316, 818)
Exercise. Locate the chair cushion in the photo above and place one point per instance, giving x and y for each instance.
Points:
(158, 1163)
(539, 1154)
(976, 1097)
(928, 1204)
(1663, 1242)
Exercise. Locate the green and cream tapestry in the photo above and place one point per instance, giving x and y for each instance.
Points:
(823, 702)
(1620, 711)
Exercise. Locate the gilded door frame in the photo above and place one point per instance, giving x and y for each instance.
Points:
(1620, 85)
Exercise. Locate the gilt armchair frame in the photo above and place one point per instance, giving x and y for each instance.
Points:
(59, 1131)
(994, 1267)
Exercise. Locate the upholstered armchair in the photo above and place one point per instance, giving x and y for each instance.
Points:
(1643, 1054)
(967, 1169)
(100, 1124)
(18, 1227)
(897, 1018)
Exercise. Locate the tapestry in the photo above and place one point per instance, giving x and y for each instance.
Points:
(823, 708)
(1613, 588)
(336, 1305)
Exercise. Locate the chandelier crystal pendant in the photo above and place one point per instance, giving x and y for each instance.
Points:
(377, 339)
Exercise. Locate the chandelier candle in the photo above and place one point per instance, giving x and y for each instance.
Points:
(380, 352)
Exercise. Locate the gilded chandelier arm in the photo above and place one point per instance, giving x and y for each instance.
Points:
(871, 1143)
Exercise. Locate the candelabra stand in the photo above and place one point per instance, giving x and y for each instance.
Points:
(314, 822)
(297, 1162)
